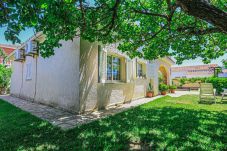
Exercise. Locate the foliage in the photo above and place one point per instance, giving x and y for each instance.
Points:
(161, 123)
(149, 88)
(182, 81)
(172, 87)
(197, 79)
(218, 82)
(148, 29)
(160, 79)
(163, 87)
(224, 63)
(5, 74)
(2, 54)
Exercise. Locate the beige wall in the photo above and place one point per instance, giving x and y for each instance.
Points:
(88, 75)
(95, 94)
(55, 80)
(153, 69)
(70, 78)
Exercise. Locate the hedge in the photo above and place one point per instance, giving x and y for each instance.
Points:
(218, 83)
(5, 74)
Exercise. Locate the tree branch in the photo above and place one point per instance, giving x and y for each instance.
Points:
(205, 11)
(194, 31)
(83, 15)
(150, 13)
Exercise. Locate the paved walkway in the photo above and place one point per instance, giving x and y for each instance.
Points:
(67, 120)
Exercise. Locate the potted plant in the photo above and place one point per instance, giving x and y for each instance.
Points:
(172, 88)
(150, 91)
(163, 88)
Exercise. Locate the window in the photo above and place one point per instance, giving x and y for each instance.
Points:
(113, 68)
(29, 71)
(141, 71)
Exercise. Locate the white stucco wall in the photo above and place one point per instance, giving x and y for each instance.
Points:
(69, 79)
(16, 78)
(57, 82)
(152, 72)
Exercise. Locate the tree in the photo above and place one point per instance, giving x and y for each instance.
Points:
(3, 56)
(224, 63)
(5, 75)
(185, 29)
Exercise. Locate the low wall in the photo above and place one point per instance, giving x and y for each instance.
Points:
(116, 93)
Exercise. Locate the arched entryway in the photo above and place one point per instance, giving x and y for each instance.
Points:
(163, 75)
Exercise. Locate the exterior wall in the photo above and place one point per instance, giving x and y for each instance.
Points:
(75, 77)
(88, 75)
(28, 86)
(17, 78)
(153, 70)
(55, 80)
(98, 93)
(223, 74)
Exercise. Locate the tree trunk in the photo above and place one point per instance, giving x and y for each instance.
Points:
(204, 10)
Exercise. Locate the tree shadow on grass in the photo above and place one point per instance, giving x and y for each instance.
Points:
(154, 128)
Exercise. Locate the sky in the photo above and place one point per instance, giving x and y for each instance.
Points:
(29, 32)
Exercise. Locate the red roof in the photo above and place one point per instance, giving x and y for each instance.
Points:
(196, 67)
(8, 49)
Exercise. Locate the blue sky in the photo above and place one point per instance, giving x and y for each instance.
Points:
(29, 32)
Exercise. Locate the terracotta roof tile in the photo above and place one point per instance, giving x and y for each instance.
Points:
(8, 49)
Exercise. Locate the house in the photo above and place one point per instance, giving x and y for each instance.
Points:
(193, 71)
(223, 74)
(7, 51)
(83, 76)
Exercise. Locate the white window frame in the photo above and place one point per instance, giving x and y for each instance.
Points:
(112, 80)
(142, 69)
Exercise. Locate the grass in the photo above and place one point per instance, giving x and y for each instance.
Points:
(164, 124)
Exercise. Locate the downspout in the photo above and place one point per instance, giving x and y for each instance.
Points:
(22, 80)
(36, 65)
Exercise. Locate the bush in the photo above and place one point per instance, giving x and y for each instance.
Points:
(182, 81)
(172, 87)
(5, 75)
(163, 87)
(149, 88)
(218, 83)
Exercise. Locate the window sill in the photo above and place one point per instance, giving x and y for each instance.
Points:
(113, 82)
(144, 78)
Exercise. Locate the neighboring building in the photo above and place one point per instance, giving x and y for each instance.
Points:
(7, 50)
(223, 74)
(193, 71)
(83, 76)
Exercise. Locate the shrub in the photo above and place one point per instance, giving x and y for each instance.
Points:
(182, 81)
(172, 87)
(5, 74)
(218, 83)
(149, 88)
(163, 87)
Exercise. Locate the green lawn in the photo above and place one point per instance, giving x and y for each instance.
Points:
(167, 123)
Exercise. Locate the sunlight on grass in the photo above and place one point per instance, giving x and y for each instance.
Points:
(41, 147)
(164, 124)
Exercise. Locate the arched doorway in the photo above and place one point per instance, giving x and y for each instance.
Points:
(162, 75)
